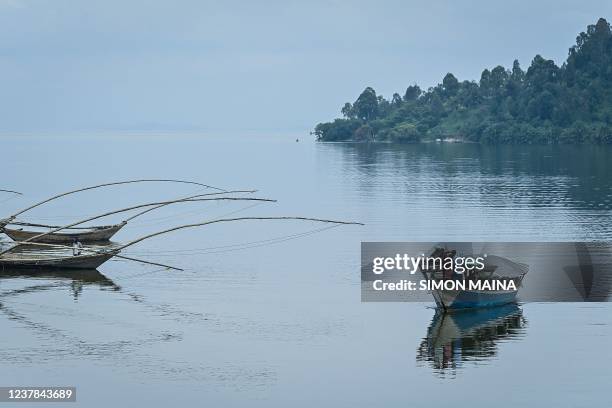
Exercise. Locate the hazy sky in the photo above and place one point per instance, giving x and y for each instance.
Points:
(244, 65)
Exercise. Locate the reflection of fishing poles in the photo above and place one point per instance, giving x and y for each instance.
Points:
(68, 340)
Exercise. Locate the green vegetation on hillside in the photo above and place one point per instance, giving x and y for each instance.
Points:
(570, 104)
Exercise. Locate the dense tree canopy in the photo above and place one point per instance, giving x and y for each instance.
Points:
(545, 104)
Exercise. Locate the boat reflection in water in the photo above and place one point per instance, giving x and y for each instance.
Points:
(47, 279)
(454, 339)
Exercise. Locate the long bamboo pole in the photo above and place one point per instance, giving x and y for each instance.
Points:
(200, 224)
(148, 262)
(186, 198)
(11, 191)
(12, 217)
(31, 239)
(29, 224)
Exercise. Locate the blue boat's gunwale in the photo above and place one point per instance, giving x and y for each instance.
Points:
(474, 299)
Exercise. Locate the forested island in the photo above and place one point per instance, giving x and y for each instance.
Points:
(547, 104)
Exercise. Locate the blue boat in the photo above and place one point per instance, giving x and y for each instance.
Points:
(496, 284)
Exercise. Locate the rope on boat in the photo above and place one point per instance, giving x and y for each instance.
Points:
(107, 185)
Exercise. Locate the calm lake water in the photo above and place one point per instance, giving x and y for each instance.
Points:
(269, 313)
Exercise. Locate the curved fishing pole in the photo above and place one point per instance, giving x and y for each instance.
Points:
(129, 209)
(200, 224)
(186, 198)
(29, 224)
(10, 191)
(12, 217)
(237, 246)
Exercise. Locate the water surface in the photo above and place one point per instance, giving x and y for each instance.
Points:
(269, 314)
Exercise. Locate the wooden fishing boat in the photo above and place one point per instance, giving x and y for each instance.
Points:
(84, 235)
(29, 260)
(497, 284)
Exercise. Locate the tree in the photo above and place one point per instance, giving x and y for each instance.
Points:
(338, 130)
(485, 79)
(542, 105)
(571, 103)
(364, 133)
(517, 73)
(384, 107)
(405, 133)
(366, 106)
(347, 111)
(515, 81)
(541, 72)
(450, 84)
(412, 93)
(469, 94)
(436, 107)
(498, 79)
(396, 100)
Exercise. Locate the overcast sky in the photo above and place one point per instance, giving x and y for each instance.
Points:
(231, 66)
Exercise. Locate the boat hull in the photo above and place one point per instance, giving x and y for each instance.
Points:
(99, 234)
(466, 299)
(92, 261)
